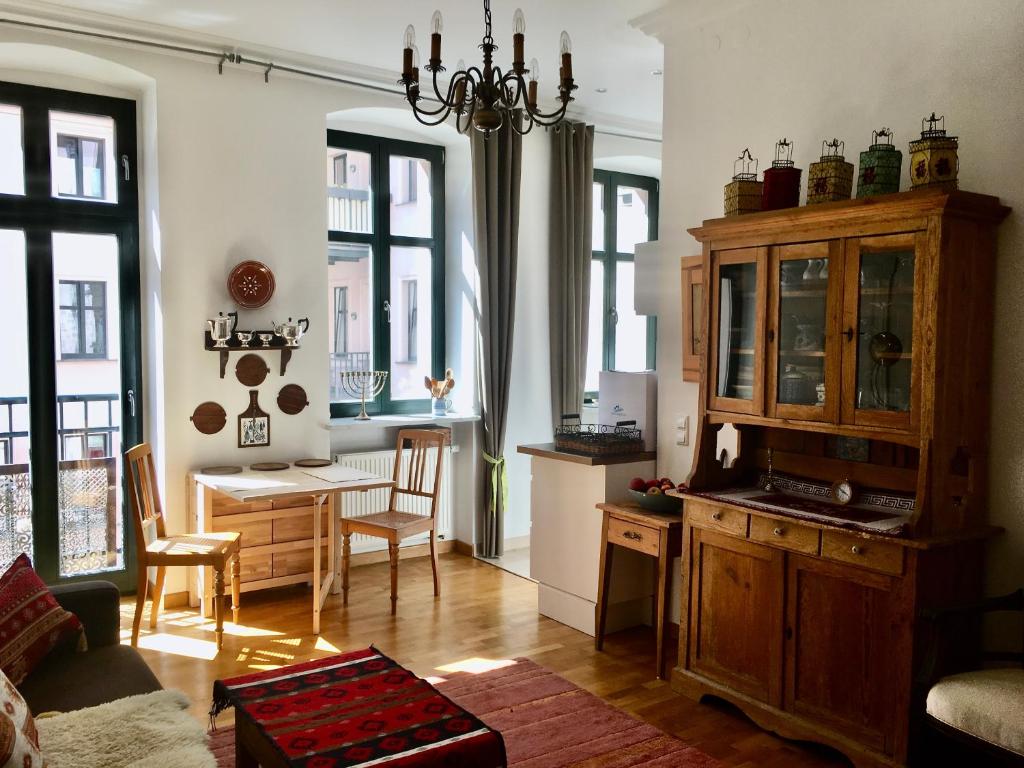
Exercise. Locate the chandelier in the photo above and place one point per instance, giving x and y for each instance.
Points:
(483, 97)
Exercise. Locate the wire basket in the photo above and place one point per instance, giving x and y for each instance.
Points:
(597, 439)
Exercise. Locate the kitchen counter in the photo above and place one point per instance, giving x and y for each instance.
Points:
(548, 451)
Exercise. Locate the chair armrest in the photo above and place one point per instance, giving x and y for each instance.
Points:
(97, 605)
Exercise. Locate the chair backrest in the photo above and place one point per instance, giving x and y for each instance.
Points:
(145, 496)
(426, 453)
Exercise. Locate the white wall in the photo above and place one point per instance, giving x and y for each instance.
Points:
(744, 74)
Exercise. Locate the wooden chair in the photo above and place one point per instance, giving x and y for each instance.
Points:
(395, 525)
(159, 550)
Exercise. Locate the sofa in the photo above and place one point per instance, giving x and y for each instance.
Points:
(66, 680)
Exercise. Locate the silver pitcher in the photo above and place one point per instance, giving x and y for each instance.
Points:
(221, 327)
(291, 332)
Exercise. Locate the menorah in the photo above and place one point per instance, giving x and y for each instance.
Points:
(360, 383)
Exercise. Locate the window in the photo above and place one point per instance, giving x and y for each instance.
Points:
(79, 171)
(385, 256)
(625, 213)
(341, 170)
(83, 319)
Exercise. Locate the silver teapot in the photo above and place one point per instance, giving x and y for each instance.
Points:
(221, 327)
(291, 332)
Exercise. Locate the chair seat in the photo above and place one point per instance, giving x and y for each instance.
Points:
(199, 547)
(392, 521)
(987, 704)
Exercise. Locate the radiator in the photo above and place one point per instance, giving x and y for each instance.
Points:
(382, 463)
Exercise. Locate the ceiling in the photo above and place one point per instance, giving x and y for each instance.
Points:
(607, 52)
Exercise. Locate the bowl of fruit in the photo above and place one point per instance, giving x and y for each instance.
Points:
(651, 494)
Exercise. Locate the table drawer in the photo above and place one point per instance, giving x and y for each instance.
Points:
(294, 528)
(867, 553)
(254, 567)
(299, 561)
(717, 518)
(782, 533)
(626, 533)
(253, 534)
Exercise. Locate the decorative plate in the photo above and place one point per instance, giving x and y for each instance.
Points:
(209, 418)
(251, 284)
(227, 469)
(292, 399)
(313, 463)
(268, 466)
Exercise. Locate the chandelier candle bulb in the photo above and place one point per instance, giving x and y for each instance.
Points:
(743, 193)
(781, 181)
(518, 39)
(531, 89)
(831, 178)
(460, 88)
(933, 157)
(436, 27)
(408, 42)
(879, 172)
(566, 48)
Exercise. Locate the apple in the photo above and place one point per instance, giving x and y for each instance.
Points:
(653, 484)
(638, 484)
(653, 491)
(666, 481)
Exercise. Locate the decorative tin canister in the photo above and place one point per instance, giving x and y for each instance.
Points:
(880, 165)
(831, 178)
(782, 180)
(743, 193)
(933, 157)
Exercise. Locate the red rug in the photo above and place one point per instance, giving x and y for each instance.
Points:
(547, 722)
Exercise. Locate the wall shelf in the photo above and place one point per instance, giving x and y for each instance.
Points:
(277, 344)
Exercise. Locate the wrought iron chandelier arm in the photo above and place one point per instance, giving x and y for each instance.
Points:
(550, 118)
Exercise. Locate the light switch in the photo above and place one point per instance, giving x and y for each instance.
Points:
(683, 430)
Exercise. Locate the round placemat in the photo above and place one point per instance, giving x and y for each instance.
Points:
(292, 399)
(251, 370)
(227, 469)
(209, 418)
(313, 463)
(268, 466)
(251, 284)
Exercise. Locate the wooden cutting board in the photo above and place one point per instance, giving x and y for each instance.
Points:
(292, 399)
(209, 418)
(251, 370)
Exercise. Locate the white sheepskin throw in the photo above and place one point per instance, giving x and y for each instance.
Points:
(153, 730)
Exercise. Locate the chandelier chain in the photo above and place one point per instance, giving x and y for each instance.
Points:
(488, 39)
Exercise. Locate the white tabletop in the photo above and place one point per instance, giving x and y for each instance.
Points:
(250, 485)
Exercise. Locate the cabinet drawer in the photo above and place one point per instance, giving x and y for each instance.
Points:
(253, 534)
(634, 536)
(254, 567)
(782, 533)
(727, 520)
(867, 553)
(294, 528)
(299, 561)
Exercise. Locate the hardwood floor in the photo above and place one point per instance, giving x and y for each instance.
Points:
(484, 613)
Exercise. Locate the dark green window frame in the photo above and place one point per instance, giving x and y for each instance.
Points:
(610, 256)
(381, 241)
(98, 288)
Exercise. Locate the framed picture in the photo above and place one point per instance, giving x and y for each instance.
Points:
(253, 424)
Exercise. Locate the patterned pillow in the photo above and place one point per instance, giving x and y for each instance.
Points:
(31, 622)
(19, 741)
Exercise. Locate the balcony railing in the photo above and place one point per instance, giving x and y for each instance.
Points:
(346, 361)
(90, 536)
(348, 210)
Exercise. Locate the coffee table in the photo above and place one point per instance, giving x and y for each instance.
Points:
(355, 709)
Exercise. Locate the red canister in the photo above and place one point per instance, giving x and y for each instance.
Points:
(782, 180)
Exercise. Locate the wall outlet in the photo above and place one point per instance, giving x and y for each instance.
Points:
(683, 430)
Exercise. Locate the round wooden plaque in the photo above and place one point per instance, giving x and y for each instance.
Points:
(209, 418)
(292, 399)
(251, 284)
(226, 469)
(251, 370)
(313, 463)
(268, 466)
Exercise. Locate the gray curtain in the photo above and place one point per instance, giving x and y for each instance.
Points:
(497, 163)
(572, 193)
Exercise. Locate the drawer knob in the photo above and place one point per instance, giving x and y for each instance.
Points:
(716, 516)
(855, 549)
(633, 535)
(778, 531)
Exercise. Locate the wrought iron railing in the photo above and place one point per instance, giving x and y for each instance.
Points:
(346, 361)
(348, 210)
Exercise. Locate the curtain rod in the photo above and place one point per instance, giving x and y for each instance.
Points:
(237, 58)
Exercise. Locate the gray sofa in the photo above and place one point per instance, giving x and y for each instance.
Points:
(66, 680)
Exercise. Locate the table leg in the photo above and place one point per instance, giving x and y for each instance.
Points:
(603, 584)
(336, 557)
(218, 600)
(243, 757)
(663, 587)
(318, 510)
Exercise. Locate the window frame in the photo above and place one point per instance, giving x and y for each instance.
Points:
(381, 241)
(80, 167)
(80, 309)
(610, 257)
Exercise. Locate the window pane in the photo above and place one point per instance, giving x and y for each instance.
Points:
(15, 484)
(736, 325)
(631, 222)
(349, 207)
(349, 286)
(595, 326)
(598, 225)
(12, 155)
(89, 499)
(411, 338)
(410, 196)
(630, 328)
(82, 157)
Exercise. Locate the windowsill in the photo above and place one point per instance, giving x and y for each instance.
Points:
(398, 420)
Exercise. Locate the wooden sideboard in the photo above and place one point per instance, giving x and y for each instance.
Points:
(845, 341)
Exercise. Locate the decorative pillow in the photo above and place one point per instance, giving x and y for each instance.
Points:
(32, 623)
(19, 740)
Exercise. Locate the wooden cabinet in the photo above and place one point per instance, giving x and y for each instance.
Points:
(846, 341)
(692, 288)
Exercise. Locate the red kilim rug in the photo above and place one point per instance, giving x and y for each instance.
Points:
(359, 709)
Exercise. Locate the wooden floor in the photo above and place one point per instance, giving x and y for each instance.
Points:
(484, 613)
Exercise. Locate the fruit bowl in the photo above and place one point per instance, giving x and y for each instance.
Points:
(657, 502)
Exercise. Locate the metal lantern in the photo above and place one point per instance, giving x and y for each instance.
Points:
(743, 193)
(933, 157)
(879, 172)
(782, 180)
(831, 178)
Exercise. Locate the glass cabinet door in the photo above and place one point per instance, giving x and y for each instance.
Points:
(738, 329)
(879, 367)
(803, 362)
